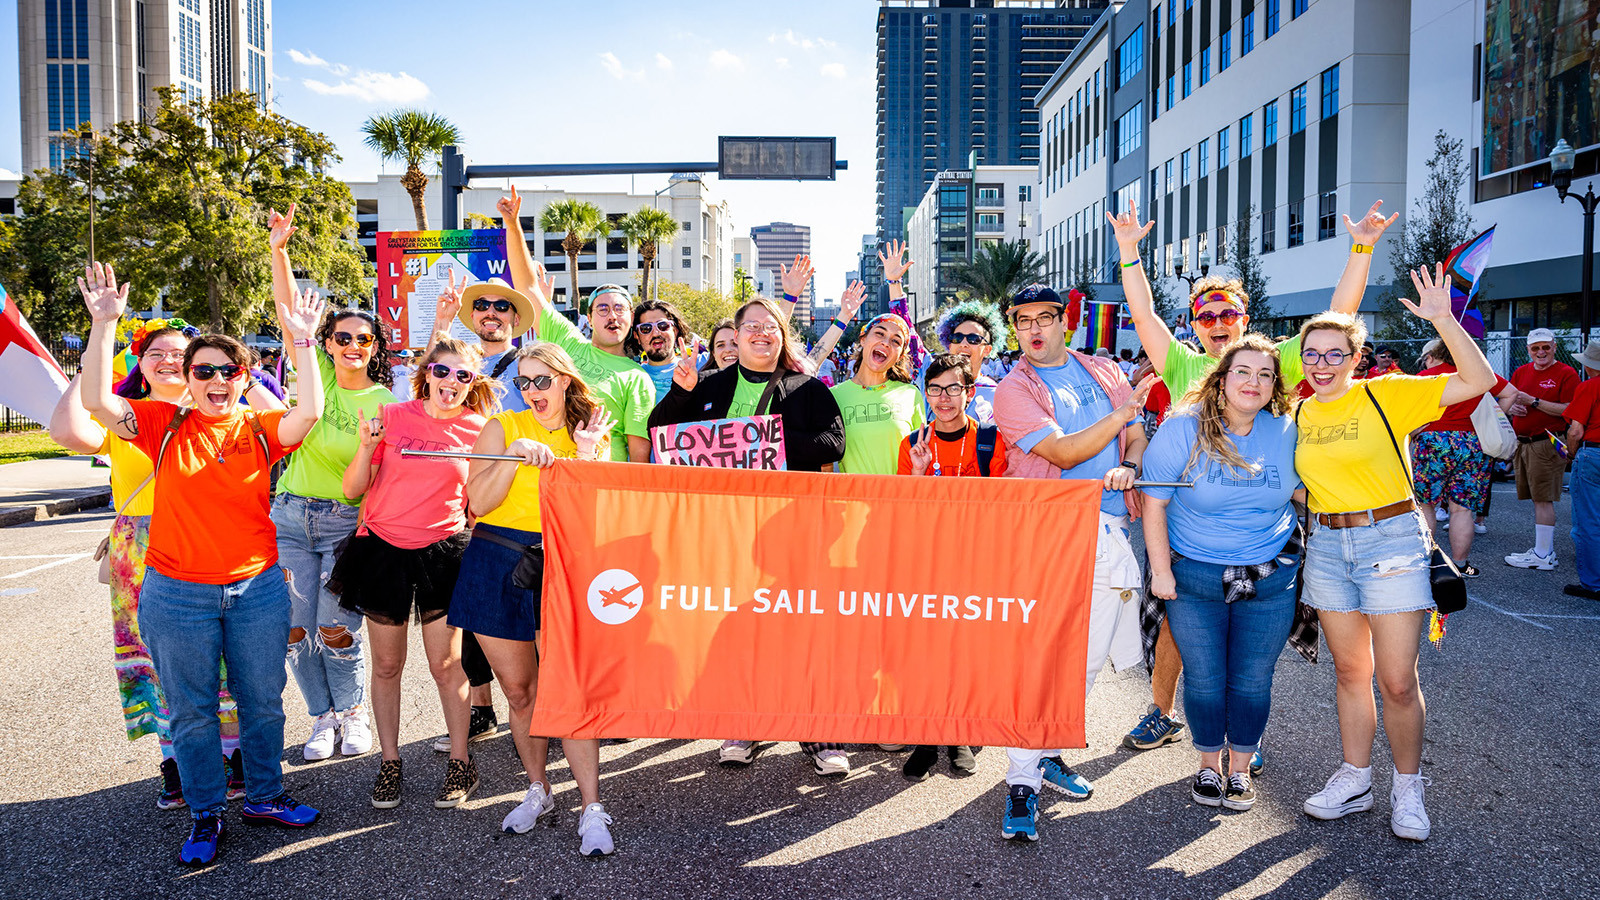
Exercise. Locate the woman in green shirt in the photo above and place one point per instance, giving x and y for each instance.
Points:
(880, 404)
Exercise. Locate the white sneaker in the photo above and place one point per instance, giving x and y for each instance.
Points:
(442, 744)
(356, 733)
(1348, 791)
(892, 748)
(1480, 528)
(736, 753)
(830, 762)
(1441, 514)
(1532, 560)
(320, 744)
(537, 803)
(1407, 817)
(595, 837)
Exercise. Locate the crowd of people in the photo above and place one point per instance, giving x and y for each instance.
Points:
(1272, 482)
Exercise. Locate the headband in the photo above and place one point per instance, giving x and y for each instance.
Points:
(886, 317)
(1216, 297)
(610, 289)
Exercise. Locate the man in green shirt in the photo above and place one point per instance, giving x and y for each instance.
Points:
(1219, 315)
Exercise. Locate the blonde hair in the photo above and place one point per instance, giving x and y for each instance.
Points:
(1215, 283)
(481, 398)
(1353, 329)
(1205, 402)
(580, 404)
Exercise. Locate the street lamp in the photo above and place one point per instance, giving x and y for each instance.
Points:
(1205, 269)
(1561, 173)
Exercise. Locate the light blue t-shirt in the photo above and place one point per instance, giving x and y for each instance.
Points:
(510, 398)
(1230, 517)
(1080, 402)
(660, 376)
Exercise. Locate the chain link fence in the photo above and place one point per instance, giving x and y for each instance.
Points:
(68, 355)
(1505, 351)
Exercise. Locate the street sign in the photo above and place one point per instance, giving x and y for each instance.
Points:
(777, 158)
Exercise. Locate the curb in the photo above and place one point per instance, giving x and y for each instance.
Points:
(92, 498)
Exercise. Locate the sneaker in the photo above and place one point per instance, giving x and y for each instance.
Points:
(357, 733)
(460, 780)
(1258, 763)
(283, 810)
(830, 762)
(386, 790)
(323, 732)
(1480, 528)
(963, 759)
(736, 753)
(1578, 590)
(484, 725)
(920, 762)
(1241, 792)
(593, 835)
(1470, 571)
(201, 846)
(1060, 776)
(1441, 514)
(1407, 817)
(892, 748)
(1154, 730)
(1022, 812)
(1532, 560)
(235, 764)
(1348, 791)
(537, 803)
(171, 796)
(1207, 789)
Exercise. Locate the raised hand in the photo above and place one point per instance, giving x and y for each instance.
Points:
(850, 303)
(532, 452)
(282, 227)
(101, 295)
(922, 451)
(302, 316)
(510, 209)
(796, 277)
(1134, 405)
(895, 261)
(543, 286)
(1433, 291)
(588, 437)
(1128, 231)
(371, 430)
(1371, 226)
(686, 374)
(450, 298)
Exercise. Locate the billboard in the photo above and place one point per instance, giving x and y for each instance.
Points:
(1541, 79)
(413, 266)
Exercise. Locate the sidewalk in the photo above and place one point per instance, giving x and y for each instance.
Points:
(41, 488)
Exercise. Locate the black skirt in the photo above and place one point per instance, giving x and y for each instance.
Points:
(390, 584)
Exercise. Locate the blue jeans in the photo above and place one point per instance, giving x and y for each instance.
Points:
(190, 628)
(1229, 652)
(309, 534)
(1585, 486)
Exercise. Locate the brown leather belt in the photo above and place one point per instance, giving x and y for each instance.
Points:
(1365, 516)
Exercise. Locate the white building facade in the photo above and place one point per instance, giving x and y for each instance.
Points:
(963, 210)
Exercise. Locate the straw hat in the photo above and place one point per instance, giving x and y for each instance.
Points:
(495, 287)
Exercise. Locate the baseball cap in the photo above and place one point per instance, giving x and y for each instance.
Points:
(1539, 335)
(1035, 293)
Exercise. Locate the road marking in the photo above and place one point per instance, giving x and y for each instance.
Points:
(38, 556)
(1557, 616)
(49, 565)
(17, 592)
(1506, 612)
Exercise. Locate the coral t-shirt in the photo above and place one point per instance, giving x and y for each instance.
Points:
(957, 455)
(415, 501)
(210, 519)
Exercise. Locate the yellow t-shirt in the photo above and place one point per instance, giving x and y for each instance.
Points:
(1344, 455)
(129, 468)
(520, 509)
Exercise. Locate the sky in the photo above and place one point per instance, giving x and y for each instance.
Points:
(553, 82)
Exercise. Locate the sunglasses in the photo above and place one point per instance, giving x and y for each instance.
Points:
(537, 382)
(499, 306)
(1226, 317)
(206, 371)
(440, 370)
(967, 339)
(661, 325)
(343, 339)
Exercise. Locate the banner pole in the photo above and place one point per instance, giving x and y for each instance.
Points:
(451, 454)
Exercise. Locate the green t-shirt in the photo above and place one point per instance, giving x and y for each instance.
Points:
(1185, 367)
(316, 468)
(875, 421)
(746, 397)
(619, 382)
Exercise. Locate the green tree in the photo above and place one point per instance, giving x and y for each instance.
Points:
(998, 270)
(700, 309)
(583, 222)
(647, 227)
(478, 221)
(43, 251)
(1246, 266)
(743, 285)
(414, 137)
(1440, 221)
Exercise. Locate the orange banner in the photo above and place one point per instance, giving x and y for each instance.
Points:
(684, 602)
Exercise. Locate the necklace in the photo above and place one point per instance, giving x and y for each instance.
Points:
(961, 453)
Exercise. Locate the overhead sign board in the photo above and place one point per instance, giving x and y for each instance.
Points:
(777, 158)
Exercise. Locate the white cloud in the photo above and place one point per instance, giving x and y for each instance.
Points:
(800, 40)
(386, 87)
(722, 59)
(307, 59)
(833, 70)
(613, 65)
(781, 62)
(663, 63)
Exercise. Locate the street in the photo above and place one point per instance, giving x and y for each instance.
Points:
(1510, 753)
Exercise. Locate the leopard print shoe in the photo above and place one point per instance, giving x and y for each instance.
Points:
(460, 780)
(386, 791)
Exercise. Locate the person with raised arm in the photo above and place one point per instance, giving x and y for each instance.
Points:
(894, 263)
(498, 314)
(849, 305)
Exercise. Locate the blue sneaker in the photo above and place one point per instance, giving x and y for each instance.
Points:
(204, 836)
(1257, 763)
(281, 811)
(1022, 811)
(1060, 776)
(1154, 730)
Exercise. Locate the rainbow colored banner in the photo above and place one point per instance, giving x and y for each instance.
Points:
(413, 266)
(1100, 322)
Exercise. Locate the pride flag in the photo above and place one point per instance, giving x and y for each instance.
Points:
(1464, 266)
(1100, 322)
(30, 380)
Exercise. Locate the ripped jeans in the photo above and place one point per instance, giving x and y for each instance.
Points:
(1369, 569)
(309, 534)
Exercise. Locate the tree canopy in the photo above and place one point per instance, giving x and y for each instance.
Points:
(999, 270)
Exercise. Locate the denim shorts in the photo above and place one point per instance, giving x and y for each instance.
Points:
(485, 601)
(1370, 569)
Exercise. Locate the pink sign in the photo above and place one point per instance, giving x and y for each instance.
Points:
(749, 442)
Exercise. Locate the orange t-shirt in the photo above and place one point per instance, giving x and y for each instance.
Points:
(211, 520)
(957, 457)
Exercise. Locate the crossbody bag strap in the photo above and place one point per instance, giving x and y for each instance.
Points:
(506, 359)
(1404, 465)
(766, 395)
(260, 434)
(172, 428)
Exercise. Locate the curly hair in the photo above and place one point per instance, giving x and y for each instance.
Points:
(1205, 402)
(631, 344)
(378, 367)
(987, 315)
(481, 397)
(580, 403)
(1214, 283)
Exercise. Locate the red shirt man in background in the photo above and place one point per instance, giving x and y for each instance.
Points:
(1544, 387)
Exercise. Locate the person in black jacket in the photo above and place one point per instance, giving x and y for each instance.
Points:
(813, 429)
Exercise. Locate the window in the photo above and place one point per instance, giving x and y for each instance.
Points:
(1222, 244)
(1247, 127)
(989, 222)
(1269, 227)
(1155, 183)
(1167, 177)
(1172, 13)
(1183, 254)
(1205, 158)
(1130, 193)
(1155, 24)
(1297, 110)
(1130, 56)
(1330, 93)
(1298, 7)
(1188, 83)
(1247, 34)
(1024, 193)
(688, 264)
(1269, 124)
(1273, 7)
(1170, 98)
(1188, 155)
(1130, 130)
(1205, 66)
(1222, 149)
(1297, 223)
(1166, 260)
(687, 251)
(1202, 246)
(1327, 215)
(1225, 52)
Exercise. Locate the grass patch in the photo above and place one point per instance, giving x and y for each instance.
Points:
(23, 445)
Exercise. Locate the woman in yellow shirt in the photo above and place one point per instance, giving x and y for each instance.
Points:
(1367, 559)
(563, 420)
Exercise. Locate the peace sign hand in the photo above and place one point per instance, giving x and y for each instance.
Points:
(101, 294)
(686, 374)
(1128, 231)
(1433, 291)
(895, 262)
(922, 451)
(450, 297)
(282, 228)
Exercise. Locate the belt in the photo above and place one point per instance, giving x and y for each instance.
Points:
(1365, 516)
(1595, 444)
(1524, 439)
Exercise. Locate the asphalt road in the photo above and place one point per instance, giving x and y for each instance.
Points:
(1511, 752)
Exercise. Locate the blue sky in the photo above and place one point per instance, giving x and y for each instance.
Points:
(591, 82)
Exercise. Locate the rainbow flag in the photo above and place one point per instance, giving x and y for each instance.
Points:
(1464, 266)
(1561, 447)
(1100, 322)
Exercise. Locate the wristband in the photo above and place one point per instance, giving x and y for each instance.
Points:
(841, 325)
(1360, 248)
(1130, 465)
(790, 297)
(1131, 263)
(891, 281)
(303, 342)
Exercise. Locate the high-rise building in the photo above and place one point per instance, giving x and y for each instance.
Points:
(100, 61)
(957, 77)
(777, 245)
(963, 210)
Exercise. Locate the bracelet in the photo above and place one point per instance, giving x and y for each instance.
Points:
(1360, 248)
(1130, 465)
(790, 297)
(304, 342)
(1131, 263)
(891, 281)
(841, 325)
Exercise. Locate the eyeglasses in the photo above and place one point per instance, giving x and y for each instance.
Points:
(343, 339)
(206, 371)
(1043, 320)
(440, 370)
(1245, 373)
(754, 328)
(537, 382)
(1228, 317)
(164, 354)
(1330, 357)
(967, 339)
(483, 305)
(954, 390)
(661, 325)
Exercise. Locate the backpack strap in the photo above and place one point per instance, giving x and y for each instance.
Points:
(260, 434)
(506, 359)
(986, 445)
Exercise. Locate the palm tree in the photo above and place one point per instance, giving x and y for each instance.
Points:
(999, 270)
(648, 227)
(582, 221)
(416, 137)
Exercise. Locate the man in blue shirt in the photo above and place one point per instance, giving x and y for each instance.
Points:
(657, 340)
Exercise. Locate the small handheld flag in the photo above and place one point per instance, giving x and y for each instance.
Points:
(1561, 448)
(1464, 267)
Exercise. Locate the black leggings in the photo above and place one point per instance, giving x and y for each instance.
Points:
(474, 662)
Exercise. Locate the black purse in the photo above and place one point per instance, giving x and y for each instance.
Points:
(529, 572)
(1449, 588)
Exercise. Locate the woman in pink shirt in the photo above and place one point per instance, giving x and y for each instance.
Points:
(403, 559)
